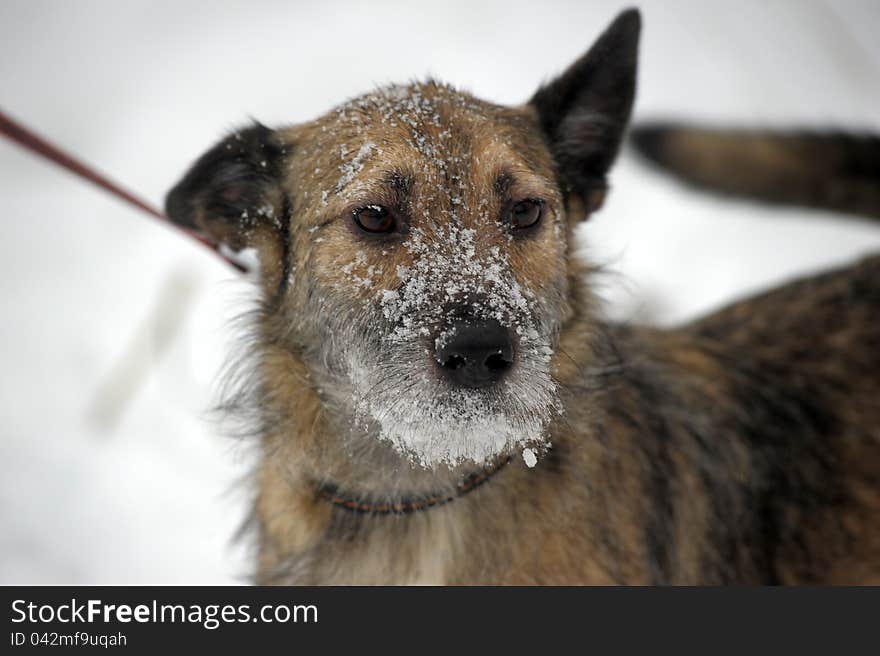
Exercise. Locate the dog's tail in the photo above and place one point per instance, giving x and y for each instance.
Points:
(835, 171)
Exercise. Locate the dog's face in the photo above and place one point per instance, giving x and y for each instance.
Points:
(432, 273)
(414, 246)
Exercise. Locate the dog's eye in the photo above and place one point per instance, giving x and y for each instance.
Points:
(525, 214)
(374, 218)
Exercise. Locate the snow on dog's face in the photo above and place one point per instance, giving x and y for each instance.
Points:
(433, 279)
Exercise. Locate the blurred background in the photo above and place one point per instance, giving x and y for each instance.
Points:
(115, 328)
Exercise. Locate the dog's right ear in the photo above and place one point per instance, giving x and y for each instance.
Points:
(232, 194)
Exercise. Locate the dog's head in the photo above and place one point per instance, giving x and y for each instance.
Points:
(414, 245)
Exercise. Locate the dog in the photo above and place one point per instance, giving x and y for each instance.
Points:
(438, 399)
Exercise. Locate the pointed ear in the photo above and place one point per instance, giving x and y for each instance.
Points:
(232, 193)
(584, 111)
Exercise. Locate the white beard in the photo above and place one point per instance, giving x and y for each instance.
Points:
(433, 423)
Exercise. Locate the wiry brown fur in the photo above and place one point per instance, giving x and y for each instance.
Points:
(744, 447)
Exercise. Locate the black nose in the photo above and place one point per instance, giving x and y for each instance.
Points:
(475, 353)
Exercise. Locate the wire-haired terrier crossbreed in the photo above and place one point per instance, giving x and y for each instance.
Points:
(439, 400)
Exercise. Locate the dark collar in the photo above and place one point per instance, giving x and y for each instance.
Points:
(331, 493)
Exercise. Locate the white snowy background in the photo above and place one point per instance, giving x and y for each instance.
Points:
(114, 328)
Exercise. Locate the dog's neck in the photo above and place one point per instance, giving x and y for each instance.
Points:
(401, 504)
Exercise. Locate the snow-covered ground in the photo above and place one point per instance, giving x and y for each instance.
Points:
(114, 328)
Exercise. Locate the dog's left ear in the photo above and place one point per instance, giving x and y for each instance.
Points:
(584, 112)
(231, 193)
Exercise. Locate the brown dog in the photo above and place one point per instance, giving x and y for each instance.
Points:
(438, 401)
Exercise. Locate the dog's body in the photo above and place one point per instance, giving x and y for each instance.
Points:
(415, 227)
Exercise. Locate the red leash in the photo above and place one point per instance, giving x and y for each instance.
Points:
(36, 144)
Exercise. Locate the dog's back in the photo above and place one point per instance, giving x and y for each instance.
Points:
(802, 362)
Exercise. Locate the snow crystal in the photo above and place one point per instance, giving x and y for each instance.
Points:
(447, 268)
(351, 168)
